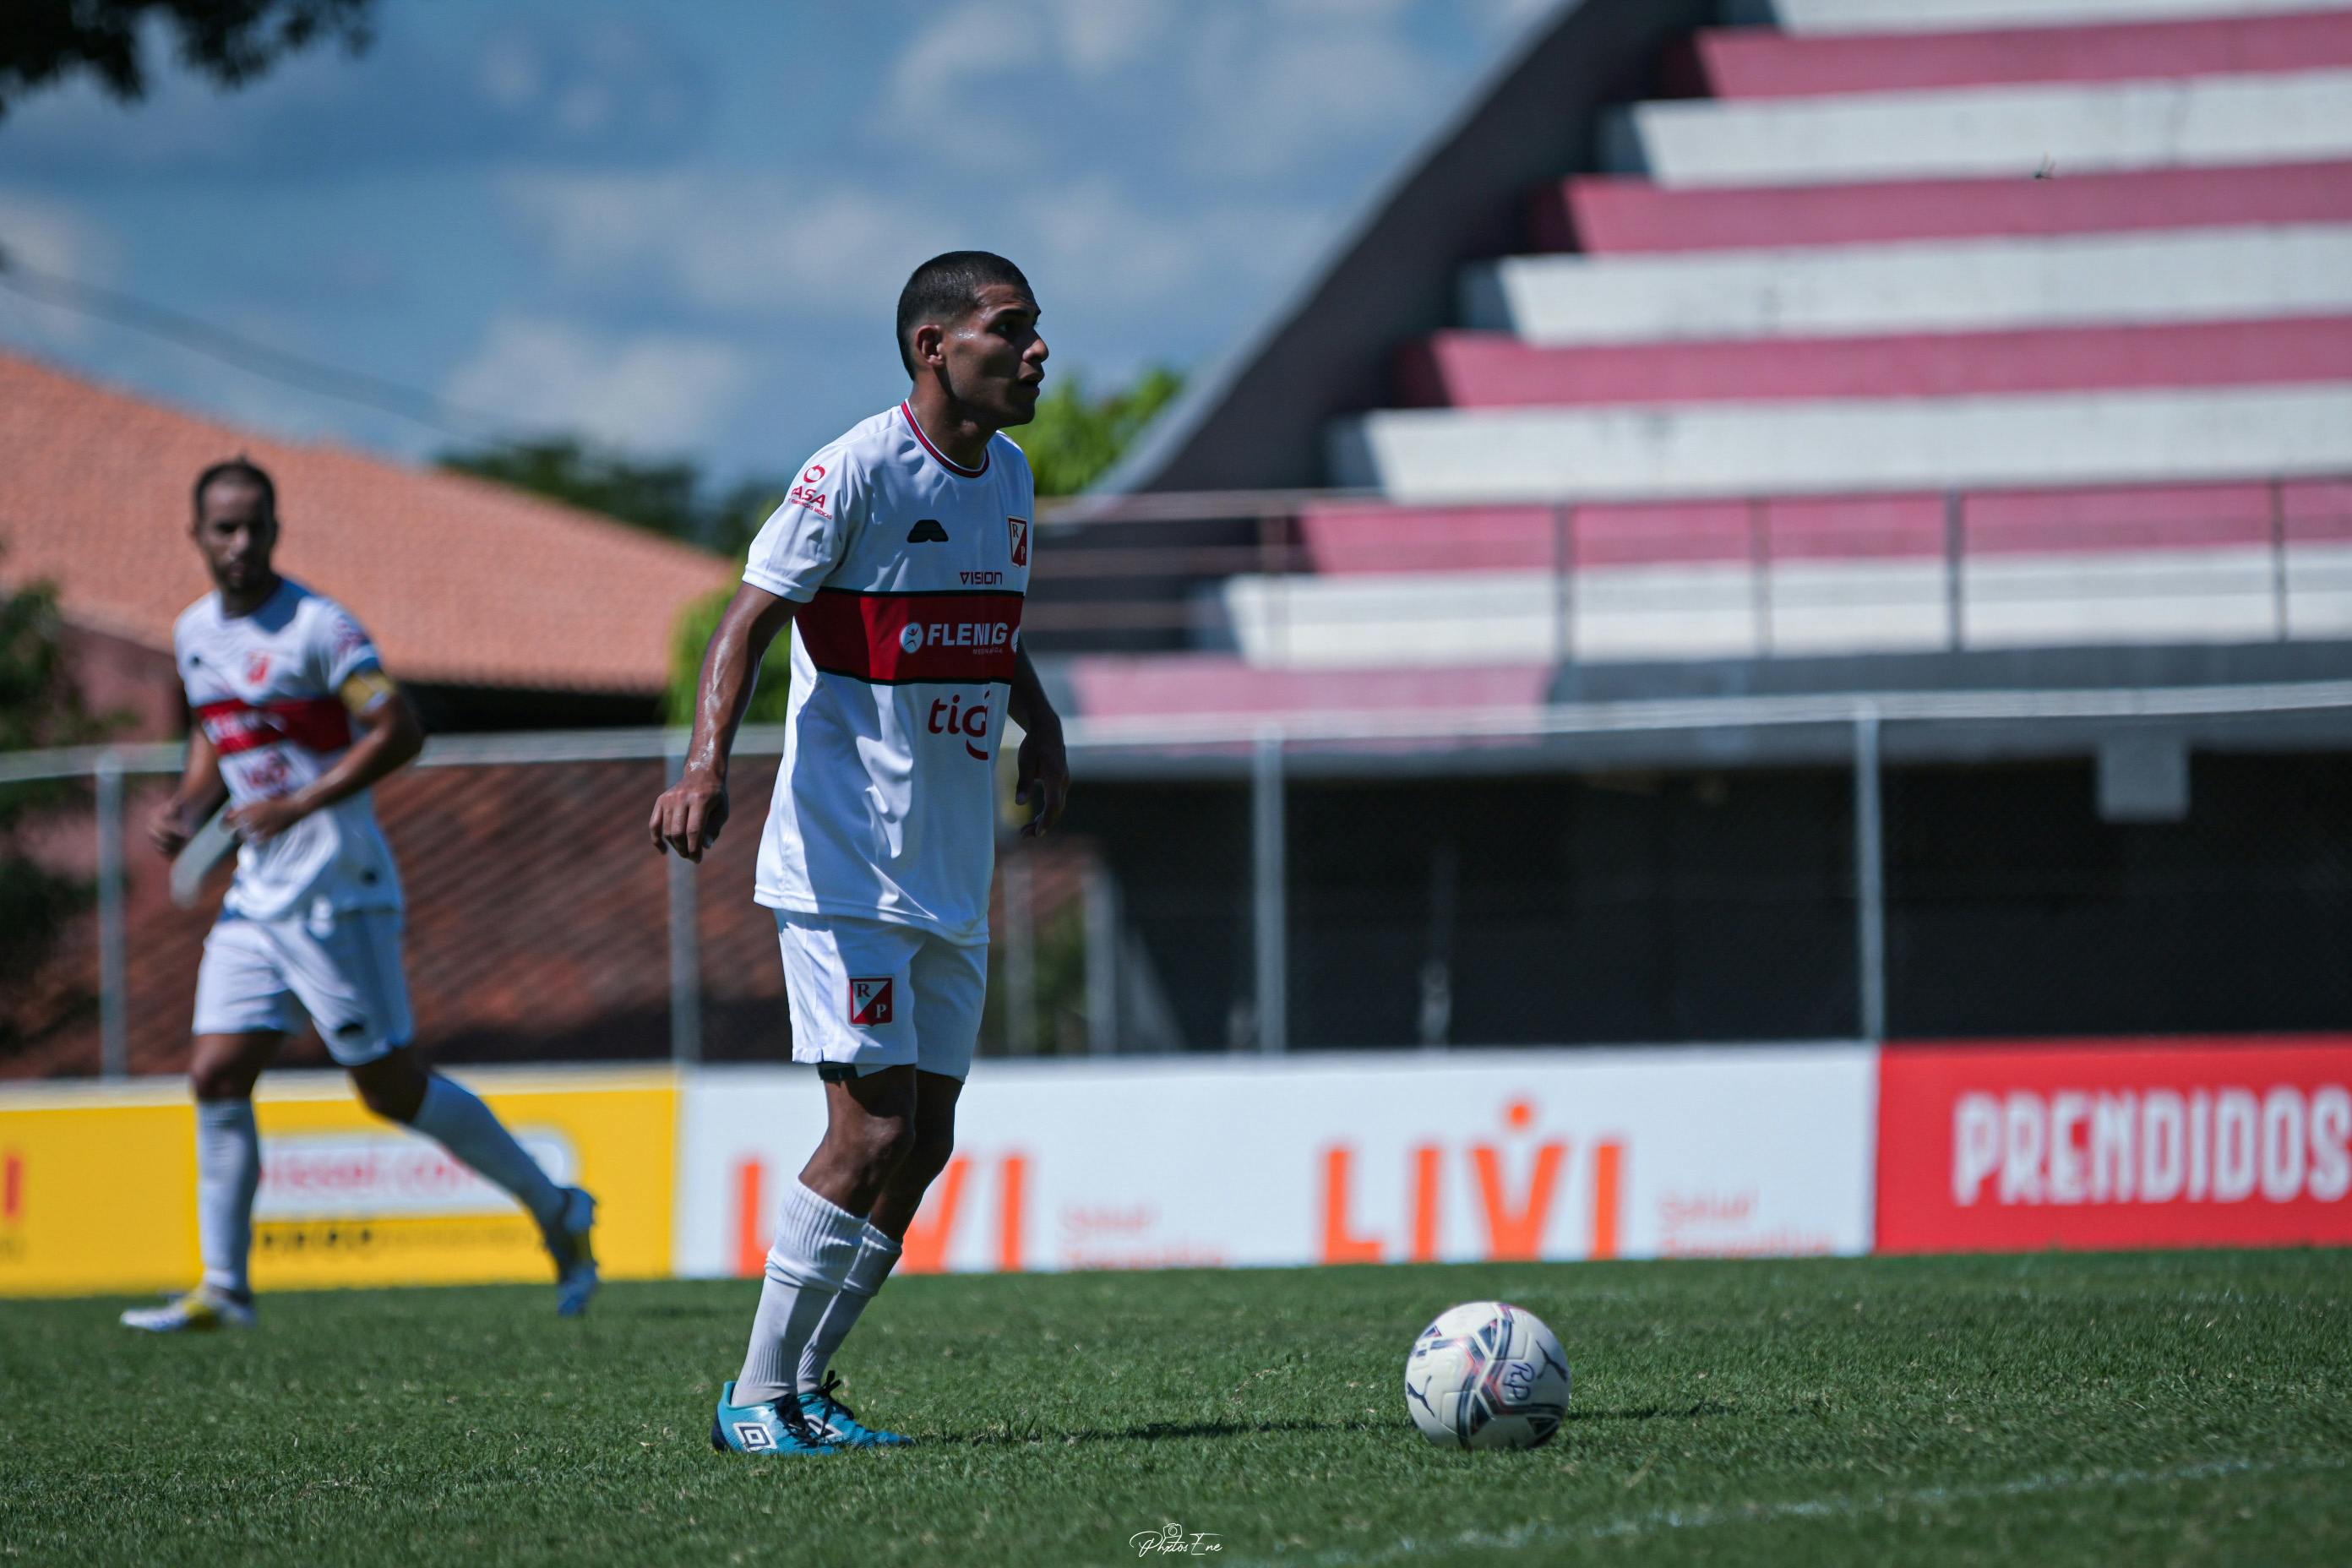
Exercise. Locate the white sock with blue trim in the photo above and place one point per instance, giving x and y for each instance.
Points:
(228, 1172)
(876, 1256)
(455, 1116)
(817, 1244)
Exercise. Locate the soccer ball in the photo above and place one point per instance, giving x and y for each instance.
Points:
(1486, 1374)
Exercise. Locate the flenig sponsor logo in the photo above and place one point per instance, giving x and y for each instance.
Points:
(2102, 1147)
(951, 637)
(356, 1175)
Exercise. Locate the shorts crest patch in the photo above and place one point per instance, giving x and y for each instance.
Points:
(869, 1001)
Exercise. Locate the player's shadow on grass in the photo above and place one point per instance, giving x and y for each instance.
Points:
(1156, 1432)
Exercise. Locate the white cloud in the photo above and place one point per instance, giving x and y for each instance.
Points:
(1095, 37)
(751, 242)
(1100, 248)
(1272, 99)
(651, 392)
(760, 243)
(47, 236)
(939, 88)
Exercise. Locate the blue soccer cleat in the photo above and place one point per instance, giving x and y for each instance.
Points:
(575, 1259)
(832, 1420)
(763, 1429)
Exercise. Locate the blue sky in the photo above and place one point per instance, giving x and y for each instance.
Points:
(681, 229)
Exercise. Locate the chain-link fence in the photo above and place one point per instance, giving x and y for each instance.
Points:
(1993, 864)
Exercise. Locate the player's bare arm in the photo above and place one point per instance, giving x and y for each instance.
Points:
(690, 813)
(390, 736)
(1043, 766)
(188, 808)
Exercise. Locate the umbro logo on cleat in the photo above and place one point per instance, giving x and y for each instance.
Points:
(754, 1435)
(927, 532)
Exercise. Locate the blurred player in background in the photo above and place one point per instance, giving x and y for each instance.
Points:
(899, 559)
(296, 722)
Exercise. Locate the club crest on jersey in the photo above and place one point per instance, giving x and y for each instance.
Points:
(1018, 527)
(869, 1001)
(256, 667)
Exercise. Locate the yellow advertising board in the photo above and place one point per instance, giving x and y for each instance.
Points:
(98, 1185)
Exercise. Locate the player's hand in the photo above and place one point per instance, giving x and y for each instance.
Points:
(168, 829)
(265, 819)
(1043, 775)
(689, 813)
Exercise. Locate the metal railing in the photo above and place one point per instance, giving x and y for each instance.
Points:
(1268, 760)
(1773, 574)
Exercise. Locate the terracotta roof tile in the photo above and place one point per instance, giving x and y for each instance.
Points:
(461, 580)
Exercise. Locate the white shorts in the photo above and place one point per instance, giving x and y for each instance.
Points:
(871, 995)
(344, 972)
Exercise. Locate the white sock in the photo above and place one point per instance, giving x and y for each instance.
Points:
(877, 1255)
(228, 1172)
(817, 1244)
(454, 1116)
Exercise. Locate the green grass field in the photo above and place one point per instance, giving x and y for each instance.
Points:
(2191, 1407)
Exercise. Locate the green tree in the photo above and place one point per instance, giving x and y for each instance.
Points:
(662, 498)
(40, 706)
(695, 625)
(46, 42)
(1075, 438)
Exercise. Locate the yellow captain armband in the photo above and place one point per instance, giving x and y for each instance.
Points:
(366, 690)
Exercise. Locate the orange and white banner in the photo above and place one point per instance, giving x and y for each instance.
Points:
(1760, 1151)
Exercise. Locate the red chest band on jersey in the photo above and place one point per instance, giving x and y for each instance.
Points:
(912, 636)
(315, 723)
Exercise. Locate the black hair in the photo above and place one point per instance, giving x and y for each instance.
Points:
(946, 288)
(243, 470)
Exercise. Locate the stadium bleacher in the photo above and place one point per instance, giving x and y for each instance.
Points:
(2051, 295)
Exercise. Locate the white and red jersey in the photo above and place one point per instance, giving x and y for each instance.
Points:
(265, 687)
(909, 570)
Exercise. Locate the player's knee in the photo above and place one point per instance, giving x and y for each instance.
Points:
(881, 1144)
(928, 1154)
(220, 1080)
(395, 1095)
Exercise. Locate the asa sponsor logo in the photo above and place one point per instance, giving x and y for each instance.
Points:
(2230, 1144)
(950, 717)
(870, 1001)
(807, 494)
(1018, 528)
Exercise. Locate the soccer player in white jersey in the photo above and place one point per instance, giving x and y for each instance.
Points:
(295, 723)
(899, 560)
